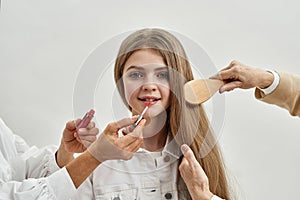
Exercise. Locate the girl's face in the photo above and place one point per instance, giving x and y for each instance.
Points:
(146, 80)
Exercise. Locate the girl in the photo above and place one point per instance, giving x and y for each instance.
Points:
(151, 69)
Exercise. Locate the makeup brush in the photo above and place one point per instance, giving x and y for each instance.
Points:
(200, 90)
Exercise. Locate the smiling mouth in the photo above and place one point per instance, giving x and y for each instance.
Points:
(149, 99)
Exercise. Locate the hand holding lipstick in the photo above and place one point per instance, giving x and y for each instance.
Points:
(83, 126)
(70, 144)
(139, 118)
(110, 147)
(77, 140)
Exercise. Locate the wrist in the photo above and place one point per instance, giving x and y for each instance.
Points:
(215, 197)
(63, 157)
(204, 195)
(269, 89)
(266, 80)
(81, 167)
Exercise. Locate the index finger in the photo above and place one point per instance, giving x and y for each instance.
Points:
(191, 159)
(188, 153)
(135, 135)
(222, 75)
(115, 126)
(91, 125)
(227, 74)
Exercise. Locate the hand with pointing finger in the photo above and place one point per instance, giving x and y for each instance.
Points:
(238, 75)
(194, 176)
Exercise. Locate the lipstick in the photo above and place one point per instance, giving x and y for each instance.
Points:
(86, 119)
(140, 117)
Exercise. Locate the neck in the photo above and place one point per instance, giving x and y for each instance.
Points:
(155, 134)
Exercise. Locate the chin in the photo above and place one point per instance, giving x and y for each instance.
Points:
(156, 113)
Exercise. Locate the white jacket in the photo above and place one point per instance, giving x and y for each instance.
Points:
(28, 172)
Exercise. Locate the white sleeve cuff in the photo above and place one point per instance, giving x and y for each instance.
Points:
(53, 167)
(216, 198)
(274, 85)
(61, 184)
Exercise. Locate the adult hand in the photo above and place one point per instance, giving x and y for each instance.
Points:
(238, 75)
(194, 176)
(110, 146)
(74, 141)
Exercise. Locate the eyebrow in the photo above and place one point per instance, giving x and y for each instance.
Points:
(135, 67)
(142, 68)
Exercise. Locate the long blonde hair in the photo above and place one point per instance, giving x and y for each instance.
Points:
(187, 123)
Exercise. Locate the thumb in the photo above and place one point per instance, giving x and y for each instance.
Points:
(138, 130)
(71, 125)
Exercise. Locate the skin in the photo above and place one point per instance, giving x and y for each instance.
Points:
(194, 175)
(238, 75)
(107, 147)
(145, 76)
(74, 141)
(109, 144)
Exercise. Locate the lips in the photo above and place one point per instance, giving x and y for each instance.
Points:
(150, 99)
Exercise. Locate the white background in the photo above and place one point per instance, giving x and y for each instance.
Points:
(43, 44)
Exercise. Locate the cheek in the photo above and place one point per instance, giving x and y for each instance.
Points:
(130, 90)
(166, 92)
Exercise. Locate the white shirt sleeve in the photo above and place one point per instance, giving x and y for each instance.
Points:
(216, 198)
(55, 187)
(25, 172)
(85, 190)
(274, 85)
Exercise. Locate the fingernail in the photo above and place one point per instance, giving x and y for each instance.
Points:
(184, 148)
(214, 77)
(221, 90)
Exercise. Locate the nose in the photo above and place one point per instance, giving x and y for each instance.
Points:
(149, 87)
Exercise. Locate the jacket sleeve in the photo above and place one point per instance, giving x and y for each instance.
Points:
(55, 187)
(85, 190)
(286, 95)
(29, 172)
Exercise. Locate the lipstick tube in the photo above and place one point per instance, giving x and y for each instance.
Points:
(86, 119)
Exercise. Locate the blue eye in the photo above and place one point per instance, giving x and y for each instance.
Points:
(135, 75)
(163, 75)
